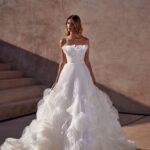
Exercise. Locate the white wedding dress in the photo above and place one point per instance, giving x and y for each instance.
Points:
(74, 115)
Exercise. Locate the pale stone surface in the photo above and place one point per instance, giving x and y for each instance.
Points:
(139, 131)
(119, 36)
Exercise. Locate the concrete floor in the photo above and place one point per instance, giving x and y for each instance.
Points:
(137, 127)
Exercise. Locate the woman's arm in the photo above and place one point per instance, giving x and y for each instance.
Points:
(87, 61)
(62, 61)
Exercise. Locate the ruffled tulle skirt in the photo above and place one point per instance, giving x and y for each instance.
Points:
(74, 115)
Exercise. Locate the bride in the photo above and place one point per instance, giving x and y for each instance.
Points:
(73, 114)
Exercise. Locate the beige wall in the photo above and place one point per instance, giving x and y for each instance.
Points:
(119, 33)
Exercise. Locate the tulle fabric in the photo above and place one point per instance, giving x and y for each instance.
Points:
(74, 115)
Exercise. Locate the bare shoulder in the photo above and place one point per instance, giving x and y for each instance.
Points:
(85, 39)
(62, 41)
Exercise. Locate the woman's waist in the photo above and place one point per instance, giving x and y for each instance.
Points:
(75, 61)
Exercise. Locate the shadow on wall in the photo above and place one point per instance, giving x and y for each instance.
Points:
(125, 104)
(45, 71)
(33, 65)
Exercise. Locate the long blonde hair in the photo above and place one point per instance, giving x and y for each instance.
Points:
(77, 25)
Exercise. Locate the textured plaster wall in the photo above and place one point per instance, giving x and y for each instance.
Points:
(118, 30)
(32, 24)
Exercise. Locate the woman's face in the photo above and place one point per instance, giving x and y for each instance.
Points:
(70, 26)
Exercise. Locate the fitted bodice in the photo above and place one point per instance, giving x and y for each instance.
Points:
(75, 53)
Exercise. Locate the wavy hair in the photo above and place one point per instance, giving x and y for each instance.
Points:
(77, 25)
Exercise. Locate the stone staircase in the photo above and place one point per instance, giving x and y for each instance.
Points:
(19, 94)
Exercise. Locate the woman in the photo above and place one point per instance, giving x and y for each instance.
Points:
(74, 37)
(73, 114)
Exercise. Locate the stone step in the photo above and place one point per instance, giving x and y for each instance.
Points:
(19, 108)
(11, 74)
(18, 94)
(5, 66)
(14, 83)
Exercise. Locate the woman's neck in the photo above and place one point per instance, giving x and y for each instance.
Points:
(74, 35)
